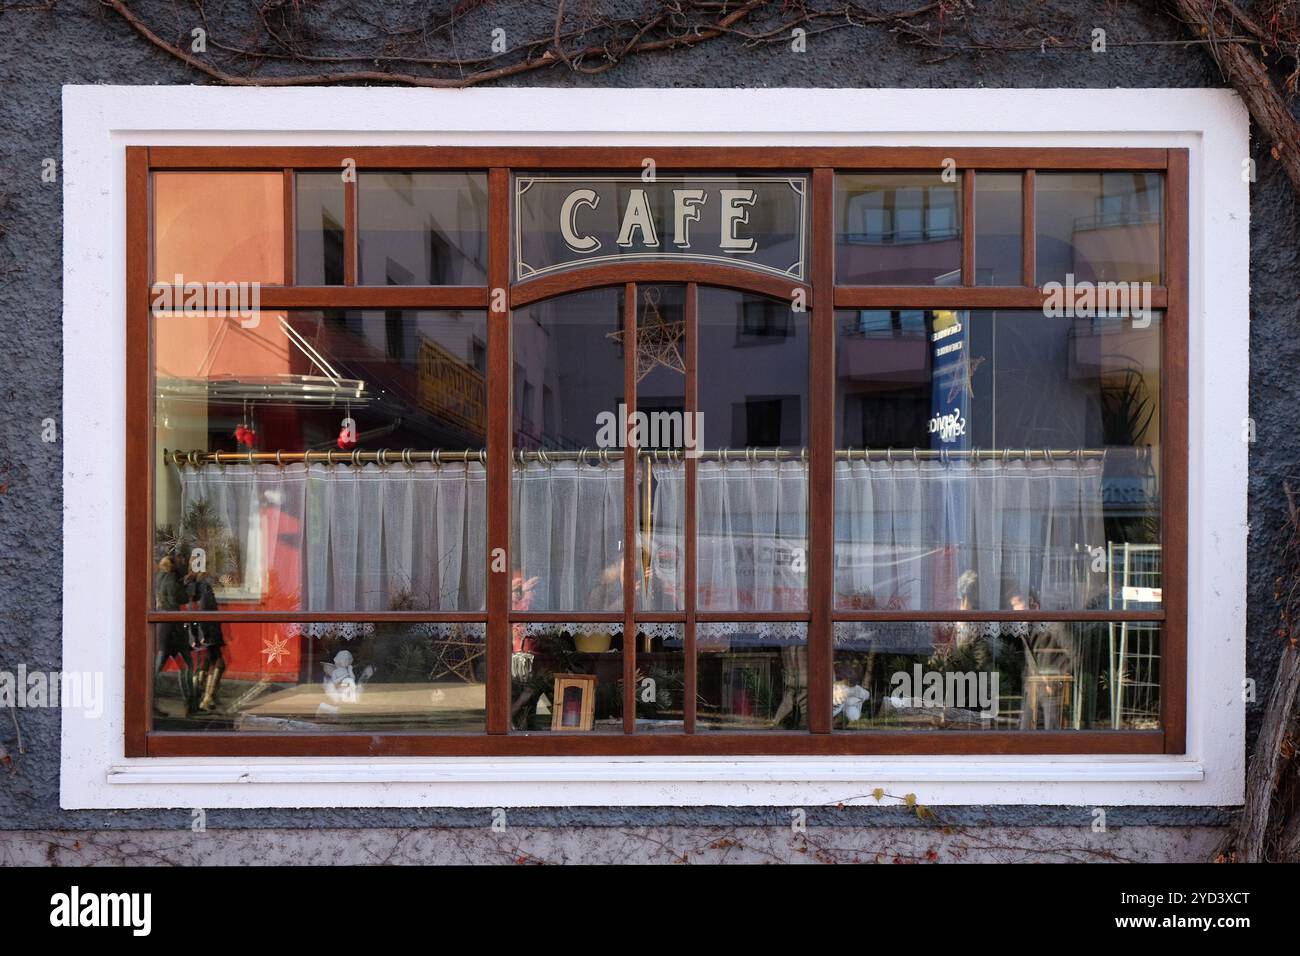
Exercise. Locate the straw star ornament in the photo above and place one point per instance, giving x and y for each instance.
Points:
(658, 340)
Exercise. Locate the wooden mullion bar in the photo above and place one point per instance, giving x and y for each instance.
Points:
(668, 158)
(567, 617)
(692, 343)
(318, 617)
(374, 297)
(1029, 244)
(1032, 616)
(724, 276)
(719, 745)
(953, 297)
(290, 229)
(351, 237)
(968, 228)
(499, 405)
(740, 617)
(138, 438)
(368, 297)
(821, 443)
(661, 617)
(1173, 458)
(630, 550)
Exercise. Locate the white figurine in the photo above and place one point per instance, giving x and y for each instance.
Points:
(341, 683)
(849, 700)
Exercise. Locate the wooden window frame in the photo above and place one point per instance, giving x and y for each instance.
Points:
(821, 163)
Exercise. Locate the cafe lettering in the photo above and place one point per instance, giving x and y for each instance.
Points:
(750, 222)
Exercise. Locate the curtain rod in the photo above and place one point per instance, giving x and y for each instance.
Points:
(409, 456)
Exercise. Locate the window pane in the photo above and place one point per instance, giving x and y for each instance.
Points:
(567, 509)
(990, 675)
(999, 226)
(752, 676)
(319, 230)
(226, 227)
(664, 433)
(567, 677)
(1099, 227)
(660, 678)
(317, 678)
(422, 228)
(321, 536)
(544, 653)
(753, 502)
(927, 526)
(897, 229)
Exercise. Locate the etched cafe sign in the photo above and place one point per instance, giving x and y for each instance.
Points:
(752, 222)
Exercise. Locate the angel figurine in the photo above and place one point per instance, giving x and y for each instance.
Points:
(849, 700)
(341, 683)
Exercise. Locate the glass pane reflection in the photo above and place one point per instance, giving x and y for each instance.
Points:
(314, 678)
(897, 229)
(752, 676)
(1065, 506)
(991, 675)
(1099, 227)
(283, 534)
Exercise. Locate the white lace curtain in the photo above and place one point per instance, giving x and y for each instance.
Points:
(907, 531)
(341, 538)
(568, 535)
(752, 552)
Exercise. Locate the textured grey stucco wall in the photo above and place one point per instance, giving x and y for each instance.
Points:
(81, 43)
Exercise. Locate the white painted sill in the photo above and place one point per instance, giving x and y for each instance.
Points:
(162, 771)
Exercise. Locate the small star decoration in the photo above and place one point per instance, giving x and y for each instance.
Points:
(961, 377)
(274, 648)
(658, 341)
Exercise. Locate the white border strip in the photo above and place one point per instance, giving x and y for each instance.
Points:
(99, 121)
(593, 770)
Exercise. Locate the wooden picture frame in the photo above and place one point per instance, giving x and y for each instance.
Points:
(570, 713)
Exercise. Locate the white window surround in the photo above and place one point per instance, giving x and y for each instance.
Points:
(99, 121)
